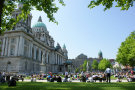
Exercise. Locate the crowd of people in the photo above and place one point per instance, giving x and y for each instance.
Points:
(68, 77)
(10, 78)
(129, 75)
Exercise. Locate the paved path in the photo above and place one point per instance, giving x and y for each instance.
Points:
(72, 80)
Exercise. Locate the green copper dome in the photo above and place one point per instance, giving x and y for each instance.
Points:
(39, 24)
(100, 53)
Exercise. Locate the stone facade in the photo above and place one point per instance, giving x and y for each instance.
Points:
(79, 60)
(31, 50)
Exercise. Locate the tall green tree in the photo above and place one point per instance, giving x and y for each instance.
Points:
(84, 65)
(8, 6)
(126, 52)
(76, 70)
(95, 64)
(103, 64)
(124, 4)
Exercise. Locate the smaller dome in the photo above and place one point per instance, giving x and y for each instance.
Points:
(64, 46)
(58, 46)
(81, 56)
(100, 55)
(40, 24)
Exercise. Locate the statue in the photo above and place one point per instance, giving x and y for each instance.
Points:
(87, 67)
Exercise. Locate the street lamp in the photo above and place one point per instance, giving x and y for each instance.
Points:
(7, 65)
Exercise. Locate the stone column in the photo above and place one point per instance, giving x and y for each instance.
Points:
(6, 46)
(20, 43)
(31, 45)
(21, 46)
(55, 58)
(3, 47)
(58, 59)
(62, 60)
(9, 47)
(47, 57)
(35, 52)
(39, 55)
(29, 49)
(43, 60)
(16, 46)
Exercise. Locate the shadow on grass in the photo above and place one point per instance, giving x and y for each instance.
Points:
(68, 86)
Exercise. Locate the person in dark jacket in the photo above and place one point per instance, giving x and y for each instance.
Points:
(12, 82)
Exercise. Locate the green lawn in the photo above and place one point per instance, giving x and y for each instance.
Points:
(69, 86)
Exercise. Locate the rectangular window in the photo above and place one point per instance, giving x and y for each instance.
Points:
(12, 51)
(13, 40)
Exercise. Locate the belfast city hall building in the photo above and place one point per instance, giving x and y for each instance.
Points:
(31, 50)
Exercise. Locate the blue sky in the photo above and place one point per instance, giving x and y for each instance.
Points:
(88, 31)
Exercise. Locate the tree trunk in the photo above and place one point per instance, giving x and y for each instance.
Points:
(1, 10)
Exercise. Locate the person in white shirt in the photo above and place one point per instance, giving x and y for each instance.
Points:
(108, 73)
(66, 73)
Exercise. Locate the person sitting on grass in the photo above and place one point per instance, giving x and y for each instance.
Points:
(94, 77)
(118, 79)
(22, 78)
(83, 78)
(49, 78)
(65, 78)
(59, 79)
(33, 78)
(90, 79)
(12, 82)
(129, 79)
(7, 78)
(100, 77)
(103, 77)
(73, 77)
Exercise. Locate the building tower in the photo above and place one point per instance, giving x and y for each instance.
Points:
(22, 25)
(65, 50)
(100, 55)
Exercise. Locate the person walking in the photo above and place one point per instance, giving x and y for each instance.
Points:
(108, 74)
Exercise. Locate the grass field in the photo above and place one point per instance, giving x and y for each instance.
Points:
(68, 86)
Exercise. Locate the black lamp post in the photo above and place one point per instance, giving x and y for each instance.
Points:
(7, 65)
